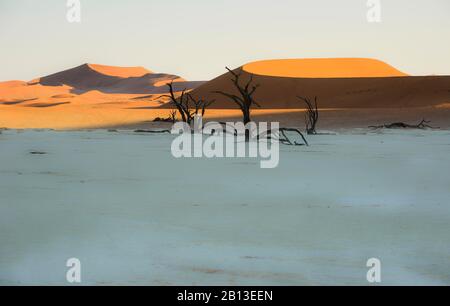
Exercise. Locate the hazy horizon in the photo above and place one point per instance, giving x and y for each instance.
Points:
(196, 39)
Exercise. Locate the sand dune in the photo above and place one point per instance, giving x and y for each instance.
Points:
(73, 83)
(108, 79)
(96, 96)
(86, 96)
(377, 85)
(121, 72)
(323, 68)
(23, 91)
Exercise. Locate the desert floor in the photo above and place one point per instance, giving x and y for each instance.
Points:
(133, 214)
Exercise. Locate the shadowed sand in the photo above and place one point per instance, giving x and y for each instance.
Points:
(120, 115)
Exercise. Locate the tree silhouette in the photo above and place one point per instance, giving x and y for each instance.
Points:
(186, 105)
(311, 115)
(245, 99)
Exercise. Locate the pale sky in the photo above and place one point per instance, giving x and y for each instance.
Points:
(197, 38)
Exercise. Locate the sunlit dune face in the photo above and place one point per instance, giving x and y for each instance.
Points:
(165, 82)
(10, 91)
(324, 68)
(11, 84)
(121, 72)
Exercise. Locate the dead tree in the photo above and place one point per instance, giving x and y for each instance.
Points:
(173, 116)
(181, 103)
(311, 115)
(200, 105)
(186, 105)
(245, 99)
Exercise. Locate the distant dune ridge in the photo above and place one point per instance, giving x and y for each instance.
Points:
(90, 82)
(93, 95)
(109, 79)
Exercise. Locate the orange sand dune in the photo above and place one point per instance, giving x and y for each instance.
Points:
(89, 95)
(20, 91)
(9, 84)
(165, 82)
(89, 78)
(280, 85)
(323, 68)
(114, 80)
(122, 72)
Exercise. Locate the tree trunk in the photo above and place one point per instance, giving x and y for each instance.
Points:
(246, 120)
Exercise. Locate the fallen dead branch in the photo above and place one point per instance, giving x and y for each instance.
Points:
(153, 131)
(283, 137)
(281, 133)
(159, 119)
(424, 124)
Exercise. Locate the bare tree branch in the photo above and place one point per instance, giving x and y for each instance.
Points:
(311, 115)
